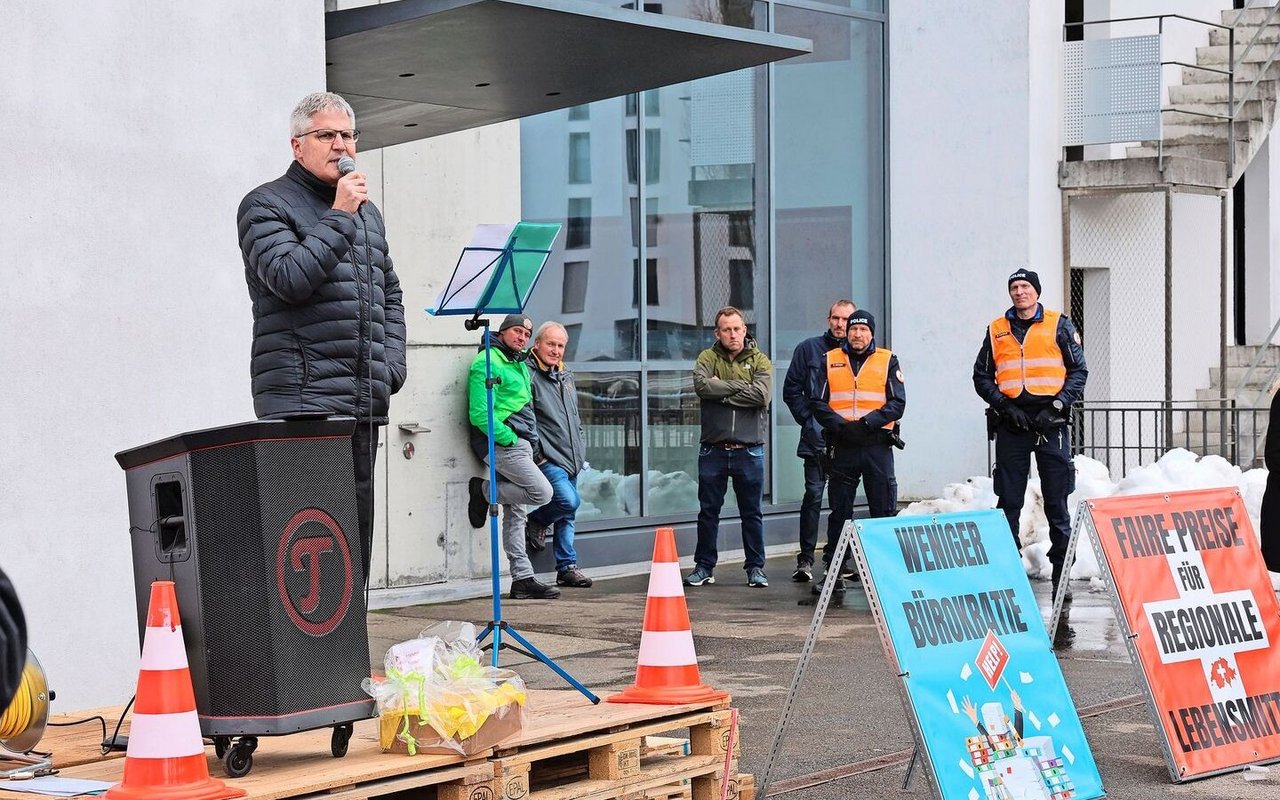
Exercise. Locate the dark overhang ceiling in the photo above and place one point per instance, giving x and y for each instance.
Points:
(419, 68)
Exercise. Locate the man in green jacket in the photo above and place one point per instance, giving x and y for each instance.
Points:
(734, 381)
(515, 438)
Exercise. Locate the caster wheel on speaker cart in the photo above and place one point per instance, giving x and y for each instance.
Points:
(220, 746)
(341, 737)
(239, 758)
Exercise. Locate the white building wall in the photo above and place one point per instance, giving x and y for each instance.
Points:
(132, 131)
(959, 169)
(1262, 242)
(1197, 269)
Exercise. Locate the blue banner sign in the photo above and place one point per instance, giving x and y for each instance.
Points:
(993, 711)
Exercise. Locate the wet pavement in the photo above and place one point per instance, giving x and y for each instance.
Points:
(848, 717)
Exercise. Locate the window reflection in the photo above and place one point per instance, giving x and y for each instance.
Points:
(666, 204)
(707, 194)
(787, 438)
(609, 404)
(829, 178)
(674, 430)
(573, 171)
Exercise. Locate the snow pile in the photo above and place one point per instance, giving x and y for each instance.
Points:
(1177, 470)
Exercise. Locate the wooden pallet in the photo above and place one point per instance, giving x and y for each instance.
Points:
(568, 749)
(81, 744)
(571, 750)
(300, 766)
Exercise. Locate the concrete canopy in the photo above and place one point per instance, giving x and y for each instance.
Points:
(420, 68)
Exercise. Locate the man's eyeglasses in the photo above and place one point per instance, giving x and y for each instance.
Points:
(326, 136)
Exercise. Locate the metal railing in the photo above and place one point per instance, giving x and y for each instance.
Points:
(1235, 106)
(1125, 435)
(1229, 118)
(1271, 376)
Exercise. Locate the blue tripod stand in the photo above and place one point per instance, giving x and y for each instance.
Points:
(483, 283)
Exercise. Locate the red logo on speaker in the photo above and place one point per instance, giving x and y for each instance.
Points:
(313, 572)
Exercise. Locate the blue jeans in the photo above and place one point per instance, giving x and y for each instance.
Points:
(559, 514)
(715, 467)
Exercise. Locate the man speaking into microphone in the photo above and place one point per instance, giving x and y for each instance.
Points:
(328, 322)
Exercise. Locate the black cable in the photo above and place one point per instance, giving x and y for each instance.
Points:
(99, 718)
(367, 339)
(116, 733)
(152, 530)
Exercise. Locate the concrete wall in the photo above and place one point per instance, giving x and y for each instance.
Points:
(433, 194)
(959, 168)
(132, 131)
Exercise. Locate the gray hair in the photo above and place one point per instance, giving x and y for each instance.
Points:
(548, 325)
(313, 104)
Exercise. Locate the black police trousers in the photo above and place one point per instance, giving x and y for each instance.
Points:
(1057, 481)
(873, 466)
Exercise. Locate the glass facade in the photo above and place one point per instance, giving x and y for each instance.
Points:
(763, 189)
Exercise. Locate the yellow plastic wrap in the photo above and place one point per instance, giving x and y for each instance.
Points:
(438, 696)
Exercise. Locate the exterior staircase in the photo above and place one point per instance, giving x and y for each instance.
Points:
(1195, 146)
(1251, 415)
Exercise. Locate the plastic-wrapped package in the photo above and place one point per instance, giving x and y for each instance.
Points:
(440, 697)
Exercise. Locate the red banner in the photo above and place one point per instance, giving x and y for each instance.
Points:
(1189, 576)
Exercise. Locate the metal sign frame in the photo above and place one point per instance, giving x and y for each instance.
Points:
(1130, 640)
(886, 641)
(916, 722)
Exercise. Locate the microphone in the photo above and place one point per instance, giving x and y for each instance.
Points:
(346, 165)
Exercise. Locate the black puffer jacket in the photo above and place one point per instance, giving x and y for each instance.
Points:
(328, 331)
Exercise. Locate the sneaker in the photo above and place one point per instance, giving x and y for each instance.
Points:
(837, 591)
(477, 504)
(573, 577)
(535, 536)
(756, 578)
(803, 573)
(699, 576)
(532, 589)
(849, 573)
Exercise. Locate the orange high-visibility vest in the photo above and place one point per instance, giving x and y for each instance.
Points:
(855, 395)
(1036, 365)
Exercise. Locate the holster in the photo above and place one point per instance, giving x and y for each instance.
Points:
(824, 461)
(895, 437)
(993, 423)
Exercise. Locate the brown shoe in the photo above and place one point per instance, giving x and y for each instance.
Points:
(573, 577)
(535, 536)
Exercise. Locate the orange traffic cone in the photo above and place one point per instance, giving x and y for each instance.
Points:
(667, 670)
(166, 756)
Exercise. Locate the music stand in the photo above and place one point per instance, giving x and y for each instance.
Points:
(495, 274)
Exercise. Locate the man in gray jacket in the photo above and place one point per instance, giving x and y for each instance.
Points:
(561, 452)
(328, 322)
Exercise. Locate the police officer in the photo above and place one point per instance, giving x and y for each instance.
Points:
(1030, 370)
(805, 379)
(861, 403)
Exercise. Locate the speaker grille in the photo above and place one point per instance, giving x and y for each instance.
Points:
(279, 565)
